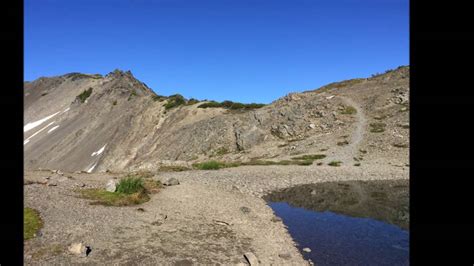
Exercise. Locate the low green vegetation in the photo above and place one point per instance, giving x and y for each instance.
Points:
(173, 168)
(114, 102)
(130, 185)
(84, 95)
(158, 98)
(231, 105)
(343, 143)
(174, 101)
(31, 223)
(75, 76)
(377, 127)
(221, 151)
(192, 101)
(310, 157)
(131, 190)
(335, 163)
(357, 164)
(211, 165)
(400, 145)
(349, 110)
(302, 160)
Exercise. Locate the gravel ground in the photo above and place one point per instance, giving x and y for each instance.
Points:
(211, 217)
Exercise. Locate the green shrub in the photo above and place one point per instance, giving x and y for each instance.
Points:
(357, 164)
(192, 101)
(132, 94)
(377, 127)
(349, 110)
(231, 105)
(84, 95)
(114, 102)
(335, 163)
(158, 98)
(175, 100)
(130, 185)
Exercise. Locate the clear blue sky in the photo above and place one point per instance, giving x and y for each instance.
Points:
(240, 50)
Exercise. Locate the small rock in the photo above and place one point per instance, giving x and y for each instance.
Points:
(79, 249)
(313, 192)
(111, 185)
(77, 172)
(251, 258)
(141, 210)
(307, 250)
(52, 184)
(276, 219)
(244, 209)
(312, 126)
(285, 256)
(171, 182)
(403, 109)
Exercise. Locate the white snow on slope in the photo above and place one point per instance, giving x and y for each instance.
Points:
(92, 168)
(99, 151)
(53, 128)
(32, 125)
(36, 133)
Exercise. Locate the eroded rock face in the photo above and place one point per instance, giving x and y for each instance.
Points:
(120, 126)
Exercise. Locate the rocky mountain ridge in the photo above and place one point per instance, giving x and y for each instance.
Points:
(94, 123)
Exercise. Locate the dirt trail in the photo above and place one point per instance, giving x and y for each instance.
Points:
(348, 152)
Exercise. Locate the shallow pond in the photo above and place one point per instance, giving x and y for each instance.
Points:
(347, 223)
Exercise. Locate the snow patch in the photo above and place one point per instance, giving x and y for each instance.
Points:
(53, 128)
(330, 97)
(32, 125)
(92, 168)
(99, 151)
(36, 133)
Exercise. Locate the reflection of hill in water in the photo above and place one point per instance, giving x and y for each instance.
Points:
(384, 200)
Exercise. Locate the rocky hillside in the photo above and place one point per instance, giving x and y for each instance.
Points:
(94, 123)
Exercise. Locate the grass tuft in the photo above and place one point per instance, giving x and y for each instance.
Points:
(130, 185)
(335, 163)
(377, 127)
(131, 190)
(31, 223)
(349, 110)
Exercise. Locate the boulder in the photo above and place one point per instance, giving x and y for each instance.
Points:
(79, 249)
(171, 182)
(111, 185)
(251, 258)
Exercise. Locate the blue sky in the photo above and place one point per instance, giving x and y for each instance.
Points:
(240, 50)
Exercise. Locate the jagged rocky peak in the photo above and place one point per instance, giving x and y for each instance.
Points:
(117, 73)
